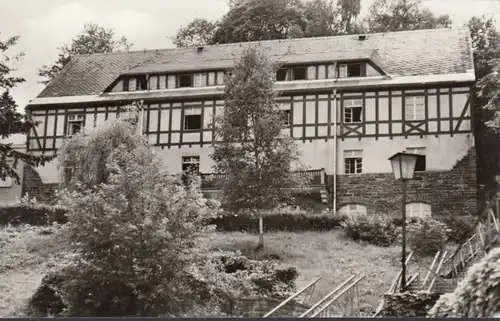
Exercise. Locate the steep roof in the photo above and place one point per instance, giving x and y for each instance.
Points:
(405, 53)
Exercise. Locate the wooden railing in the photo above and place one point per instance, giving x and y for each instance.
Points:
(316, 177)
(302, 296)
(342, 301)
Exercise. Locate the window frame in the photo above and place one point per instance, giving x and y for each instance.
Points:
(356, 156)
(421, 159)
(70, 122)
(292, 73)
(356, 211)
(416, 103)
(351, 108)
(423, 208)
(191, 161)
(178, 80)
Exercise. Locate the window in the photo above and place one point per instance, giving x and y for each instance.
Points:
(420, 166)
(352, 110)
(414, 108)
(136, 83)
(185, 81)
(191, 164)
(6, 182)
(192, 119)
(281, 74)
(299, 73)
(69, 171)
(353, 209)
(352, 70)
(353, 161)
(75, 124)
(421, 210)
(286, 117)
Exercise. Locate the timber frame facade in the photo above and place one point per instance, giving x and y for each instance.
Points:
(347, 110)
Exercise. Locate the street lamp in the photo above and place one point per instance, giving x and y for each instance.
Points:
(403, 167)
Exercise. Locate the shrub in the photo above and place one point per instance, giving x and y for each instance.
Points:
(426, 236)
(32, 214)
(277, 221)
(408, 304)
(477, 296)
(377, 229)
(134, 234)
(460, 227)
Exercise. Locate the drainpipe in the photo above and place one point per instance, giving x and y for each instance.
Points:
(334, 208)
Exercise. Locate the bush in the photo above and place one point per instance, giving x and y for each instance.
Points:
(408, 304)
(216, 281)
(277, 221)
(427, 236)
(460, 227)
(32, 214)
(478, 295)
(376, 229)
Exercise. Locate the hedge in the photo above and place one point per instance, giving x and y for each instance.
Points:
(281, 221)
(32, 214)
(41, 214)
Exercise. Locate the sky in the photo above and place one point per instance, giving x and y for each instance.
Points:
(44, 26)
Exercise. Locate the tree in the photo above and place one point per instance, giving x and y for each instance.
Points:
(198, 32)
(93, 39)
(252, 151)
(329, 18)
(134, 234)
(255, 20)
(486, 47)
(399, 15)
(11, 121)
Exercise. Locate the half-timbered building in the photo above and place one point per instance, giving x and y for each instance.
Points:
(350, 102)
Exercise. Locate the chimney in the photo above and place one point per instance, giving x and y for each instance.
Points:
(361, 37)
(200, 49)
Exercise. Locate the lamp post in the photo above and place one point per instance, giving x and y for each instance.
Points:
(403, 167)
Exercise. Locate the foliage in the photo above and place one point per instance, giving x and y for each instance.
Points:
(11, 121)
(408, 304)
(252, 150)
(256, 20)
(133, 233)
(32, 214)
(93, 39)
(460, 227)
(427, 236)
(198, 32)
(329, 18)
(376, 229)
(398, 15)
(477, 295)
(278, 221)
(84, 157)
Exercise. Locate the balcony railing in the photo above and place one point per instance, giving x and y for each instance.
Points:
(315, 178)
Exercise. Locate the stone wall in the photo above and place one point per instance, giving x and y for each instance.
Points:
(454, 191)
(34, 187)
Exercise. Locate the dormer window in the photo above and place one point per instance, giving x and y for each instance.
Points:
(299, 73)
(135, 83)
(185, 81)
(352, 70)
(281, 74)
(75, 124)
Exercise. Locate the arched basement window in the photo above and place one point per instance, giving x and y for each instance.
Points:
(416, 209)
(353, 209)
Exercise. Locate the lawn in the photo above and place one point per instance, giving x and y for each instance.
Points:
(29, 252)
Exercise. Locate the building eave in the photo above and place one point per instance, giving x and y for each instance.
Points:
(282, 87)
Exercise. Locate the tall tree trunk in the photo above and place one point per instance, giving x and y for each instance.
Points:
(261, 231)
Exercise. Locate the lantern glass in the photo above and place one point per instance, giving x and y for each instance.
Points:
(403, 165)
